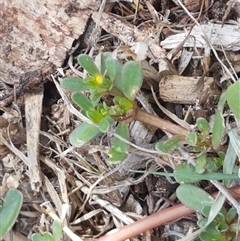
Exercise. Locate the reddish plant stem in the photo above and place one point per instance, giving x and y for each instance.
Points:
(157, 219)
(160, 123)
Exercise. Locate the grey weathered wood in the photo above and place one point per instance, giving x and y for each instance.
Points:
(33, 111)
(225, 37)
(182, 89)
(35, 34)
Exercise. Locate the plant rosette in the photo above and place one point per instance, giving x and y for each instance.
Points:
(111, 79)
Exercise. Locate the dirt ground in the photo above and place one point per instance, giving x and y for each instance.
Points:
(39, 47)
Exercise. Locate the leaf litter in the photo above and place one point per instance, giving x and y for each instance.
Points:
(77, 185)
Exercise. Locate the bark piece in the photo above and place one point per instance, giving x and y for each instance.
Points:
(182, 90)
(27, 82)
(34, 34)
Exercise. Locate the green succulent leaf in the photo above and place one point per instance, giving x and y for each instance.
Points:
(193, 197)
(106, 123)
(233, 98)
(119, 145)
(231, 214)
(46, 236)
(10, 210)
(199, 148)
(185, 173)
(202, 222)
(205, 211)
(213, 230)
(73, 84)
(123, 102)
(222, 227)
(113, 111)
(119, 111)
(219, 160)
(192, 138)
(169, 145)
(220, 218)
(218, 130)
(201, 163)
(104, 109)
(94, 116)
(211, 165)
(87, 63)
(114, 69)
(37, 237)
(132, 79)
(97, 93)
(83, 134)
(203, 125)
(116, 156)
(119, 150)
(234, 228)
(104, 58)
(82, 101)
(205, 236)
(91, 82)
(56, 230)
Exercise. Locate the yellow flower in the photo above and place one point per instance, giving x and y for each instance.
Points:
(99, 79)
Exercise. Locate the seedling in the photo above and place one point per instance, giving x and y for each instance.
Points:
(47, 236)
(224, 227)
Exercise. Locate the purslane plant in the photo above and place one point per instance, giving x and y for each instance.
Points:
(111, 79)
(118, 83)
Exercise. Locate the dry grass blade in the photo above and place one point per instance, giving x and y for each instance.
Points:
(61, 178)
(229, 197)
(66, 229)
(86, 216)
(119, 215)
(11, 147)
(53, 195)
(170, 114)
